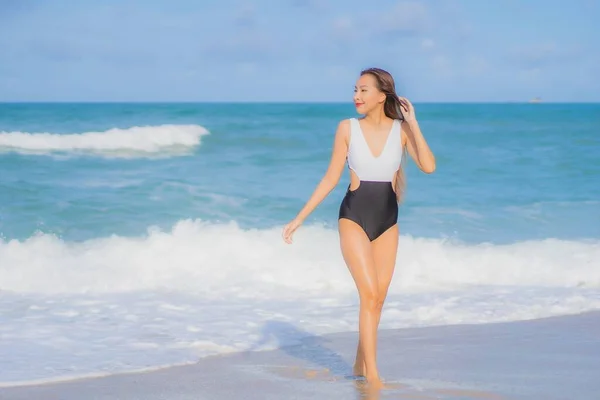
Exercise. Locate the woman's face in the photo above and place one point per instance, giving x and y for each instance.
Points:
(366, 95)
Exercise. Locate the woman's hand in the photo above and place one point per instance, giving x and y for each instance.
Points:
(289, 230)
(408, 110)
(415, 142)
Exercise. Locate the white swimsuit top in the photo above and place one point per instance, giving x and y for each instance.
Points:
(362, 161)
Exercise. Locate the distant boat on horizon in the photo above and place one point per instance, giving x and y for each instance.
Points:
(536, 100)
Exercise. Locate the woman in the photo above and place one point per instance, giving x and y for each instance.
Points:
(374, 147)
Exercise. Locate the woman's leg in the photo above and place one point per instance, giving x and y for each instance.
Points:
(358, 255)
(384, 249)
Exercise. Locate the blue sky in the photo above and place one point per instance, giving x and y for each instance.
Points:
(297, 50)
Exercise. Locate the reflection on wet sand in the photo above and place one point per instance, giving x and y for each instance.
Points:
(391, 389)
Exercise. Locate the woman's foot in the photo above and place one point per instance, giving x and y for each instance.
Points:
(374, 382)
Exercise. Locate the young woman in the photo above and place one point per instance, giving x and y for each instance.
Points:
(374, 147)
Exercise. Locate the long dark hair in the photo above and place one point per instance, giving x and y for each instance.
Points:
(393, 109)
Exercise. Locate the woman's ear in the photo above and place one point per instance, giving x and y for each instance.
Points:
(382, 97)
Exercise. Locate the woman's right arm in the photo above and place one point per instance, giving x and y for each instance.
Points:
(334, 171)
(328, 182)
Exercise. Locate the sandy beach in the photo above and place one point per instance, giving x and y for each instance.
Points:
(552, 358)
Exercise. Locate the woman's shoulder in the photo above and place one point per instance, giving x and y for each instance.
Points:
(344, 124)
(343, 128)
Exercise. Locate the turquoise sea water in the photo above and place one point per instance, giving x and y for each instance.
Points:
(144, 235)
(505, 172)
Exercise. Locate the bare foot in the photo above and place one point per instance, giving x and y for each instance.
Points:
(374, 382)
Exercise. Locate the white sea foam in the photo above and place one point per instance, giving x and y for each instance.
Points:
(138, 141)
(117, 304)
(214, 259)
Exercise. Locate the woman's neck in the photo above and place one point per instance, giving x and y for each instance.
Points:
(376, 117)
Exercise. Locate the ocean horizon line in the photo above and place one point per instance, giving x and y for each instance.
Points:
(274, 102)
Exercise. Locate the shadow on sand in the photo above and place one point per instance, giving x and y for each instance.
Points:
(311, 349)
(326, 365)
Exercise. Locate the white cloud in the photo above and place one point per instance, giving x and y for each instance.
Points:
(244, 47)
(342, 24)
(442, 66)
(407, 17)
(245, 16)
(246, 68)
(542, 54)
(310, 4)
(427, 43)
(340, 72)
(248, 40)
(529, 75)
(342, 27)
(476, 65)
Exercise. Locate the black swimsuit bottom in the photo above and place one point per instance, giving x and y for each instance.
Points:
(372, 205)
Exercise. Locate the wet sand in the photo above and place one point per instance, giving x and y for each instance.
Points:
(553, 358)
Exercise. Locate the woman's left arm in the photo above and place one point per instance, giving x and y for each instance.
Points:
(415, 142)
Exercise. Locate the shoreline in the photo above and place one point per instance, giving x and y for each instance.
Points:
(518, 359)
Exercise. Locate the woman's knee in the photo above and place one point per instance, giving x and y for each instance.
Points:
(381, 298)
(371, 299)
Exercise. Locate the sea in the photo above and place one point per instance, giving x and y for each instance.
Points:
(136, 236)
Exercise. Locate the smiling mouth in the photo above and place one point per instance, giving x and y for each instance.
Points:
(358, 104)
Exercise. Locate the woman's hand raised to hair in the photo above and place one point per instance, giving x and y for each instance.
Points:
(408, 110)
